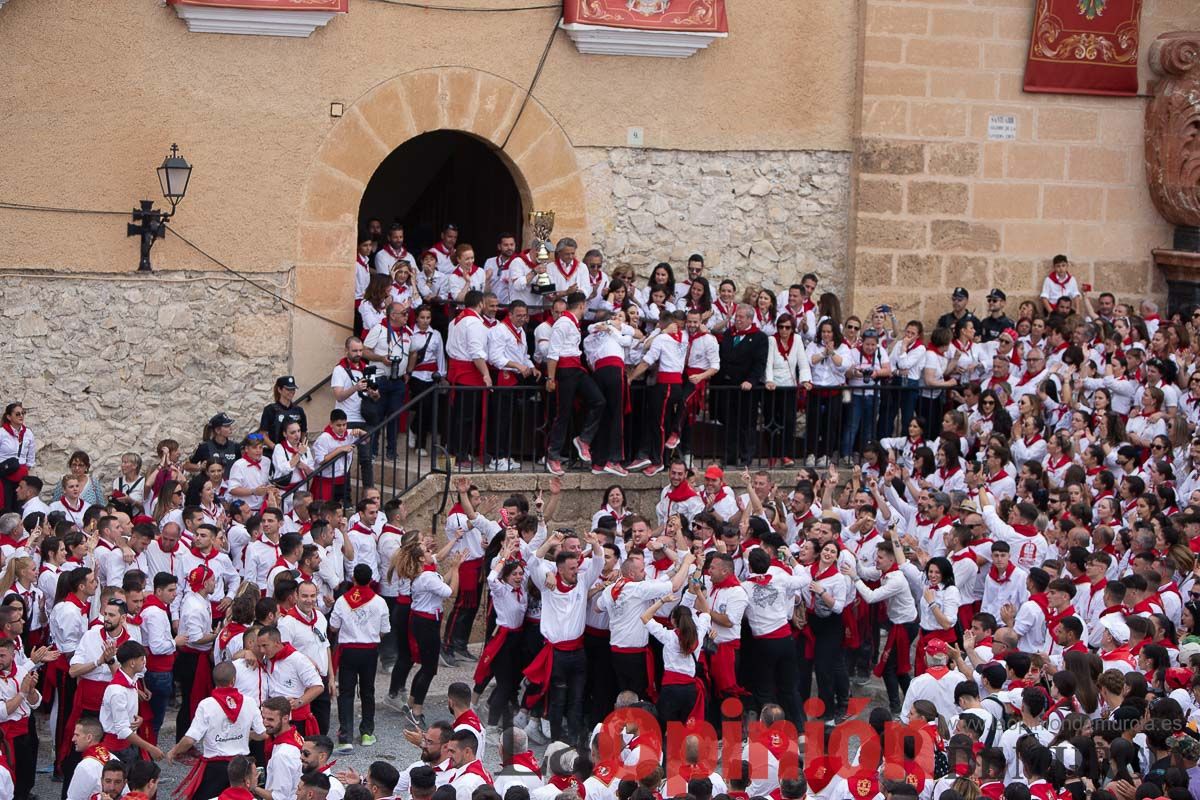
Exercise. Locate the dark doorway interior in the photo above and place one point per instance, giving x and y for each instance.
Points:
(440, 177)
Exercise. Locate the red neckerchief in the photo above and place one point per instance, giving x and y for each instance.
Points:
(916, 343)
(74, 600)
(775, 562)
(349, 365)
(341, 438)
(568, 783)
(517, 334)
(98, 752)
(682, 492)
(120, 640)
(1058, 463)
(1062, 282)
(747, 332)
(230, 700)
(728, 582)
(1008, 571)
(1055, 617)
(1121, 653)
(67, 505)
(476, 767)
(761, 316)
(290, 736)
(1026, 378)
(762, 579)
(566, 273)
(784, 351)
(1025, 529)
(1123, 610)
(944, 473)
(152, 601)
(358, 596)
(121, 679)
(726, 312)
(229, 631)
(823, 574)
(295, 613)
(458, 271)
(662, 564)
(572, 317)
(19, 436)
(526, 760)
(283, 653)
(1039, 599)
(212, 553)
(468, 718)
(562, 585)
(465, 314)
(402, 254)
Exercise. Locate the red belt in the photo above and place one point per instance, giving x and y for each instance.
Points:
(570, 362)
(191, 783)
(669, 378)
(113, 743)
(651, 688)
(539, 670)
(782, 632)
(485, 667)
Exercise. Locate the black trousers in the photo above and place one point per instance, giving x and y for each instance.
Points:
(403, 665)
(420, 421)
(425, 631)
(356, 668)
(506, 670)
(828, 664)
(629, 669)
(774, 675)
(321, 707)
(823, 416)
(664, 411)
(779, 411)
(609, 444)
(601, 682)
(186, 663)
(675, 703)
(466, 417)
(568, 680)
(738, 411)
(574, 383)
(23, 760)
(388, 645)
(65, 689)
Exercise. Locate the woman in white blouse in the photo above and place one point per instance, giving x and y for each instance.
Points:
(829, 359)
(130, 483)
(678, 694)
(787, 368)
(938, 604)
(291, 460)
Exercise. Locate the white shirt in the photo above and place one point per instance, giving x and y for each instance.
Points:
(86, 781)
(565, 340)
(1027, 551)
(363, 625)
(244, 475)
(632, 598)
(325, 444)
(1052, 290)
(67, 626)
(312, 640)
(195, 620)
(428, 345)
(220, 737)
(9, 689)
(730, 601)
(118, 709)
(261, 555)
(496, 269)
(74, 514)
(666, 506)
(563, 611)
(467, 337)
(283, 771)
(91, 645)
(895, 592)
(667, 351)
(387, 256)
(343, 378)
(936, 685)
(787, 370)
(997, 594)
(389, 343)
(428, 592)
(825, 372)
(674, 659)
(457, 279)
(772, 599)
(507, 344)
(252, 681)
(292, 676)
(464, 782)
(19, 444)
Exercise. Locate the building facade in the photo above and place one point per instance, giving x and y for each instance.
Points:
(849, 139)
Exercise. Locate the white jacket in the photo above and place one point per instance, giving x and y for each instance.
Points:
(783, 371)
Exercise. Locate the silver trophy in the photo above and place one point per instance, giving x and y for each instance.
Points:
(543, 224)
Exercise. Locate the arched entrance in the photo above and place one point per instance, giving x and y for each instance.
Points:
(439, 177)
(537, 153)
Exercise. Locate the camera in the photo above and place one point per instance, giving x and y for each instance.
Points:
(371, 378)
(394, 367)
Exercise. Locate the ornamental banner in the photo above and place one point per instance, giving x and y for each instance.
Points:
(1084, 47)
(687, 16)
(340, 6)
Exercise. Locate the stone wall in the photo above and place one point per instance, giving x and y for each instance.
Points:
(759, 217)
(940, 204)
(112, 363)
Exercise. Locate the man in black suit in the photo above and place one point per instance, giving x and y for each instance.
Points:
(743, 364)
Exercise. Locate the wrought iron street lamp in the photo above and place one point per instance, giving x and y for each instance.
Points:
(148, 222)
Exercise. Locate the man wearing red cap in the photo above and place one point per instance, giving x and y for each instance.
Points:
(936, 684)
(193, 665)
(717, 496)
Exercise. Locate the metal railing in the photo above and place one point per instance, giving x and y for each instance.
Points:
(507, 429)
(306, 396)
(473, 429)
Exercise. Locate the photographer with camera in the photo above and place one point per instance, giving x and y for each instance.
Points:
(357, 395)
(387, 343)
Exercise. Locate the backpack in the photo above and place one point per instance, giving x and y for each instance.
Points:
(1000, 724)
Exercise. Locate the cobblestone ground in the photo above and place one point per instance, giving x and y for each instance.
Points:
(391, 747)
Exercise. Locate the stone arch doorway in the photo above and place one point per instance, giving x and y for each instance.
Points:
(538, 154)
(439, 177)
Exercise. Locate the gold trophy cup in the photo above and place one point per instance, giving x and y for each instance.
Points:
(543, 224)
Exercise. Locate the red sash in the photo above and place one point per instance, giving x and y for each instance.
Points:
(539, 670)
(484, 669)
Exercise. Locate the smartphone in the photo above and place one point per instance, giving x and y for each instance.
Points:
(886, 309)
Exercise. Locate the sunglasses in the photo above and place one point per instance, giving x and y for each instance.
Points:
(988, 403)
(254, 437)
(852, 327)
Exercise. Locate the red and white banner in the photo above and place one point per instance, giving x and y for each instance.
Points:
(1084, 47)
(683, 16)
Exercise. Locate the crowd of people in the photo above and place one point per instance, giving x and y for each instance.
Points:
(1008, 540)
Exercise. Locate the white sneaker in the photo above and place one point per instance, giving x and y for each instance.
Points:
(546, 729)
(498, 465)
(534, 731)
(412, 440)
(514, 466)
(521, 719)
